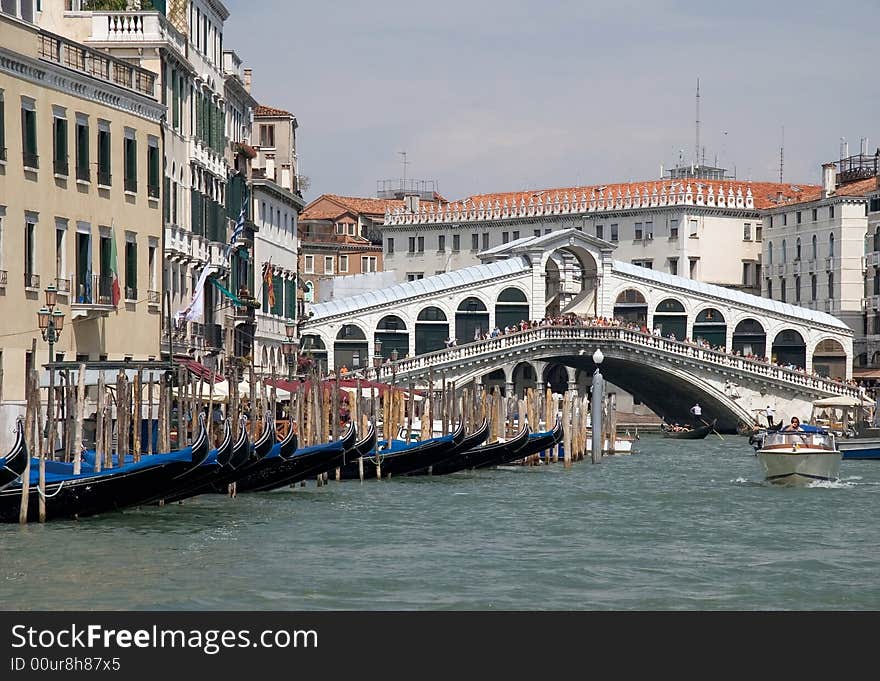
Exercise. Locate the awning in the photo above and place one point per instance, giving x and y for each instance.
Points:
(866, 373)
(198, 369)
(844, 401)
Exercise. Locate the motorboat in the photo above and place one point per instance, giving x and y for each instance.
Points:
(799, 457)
(852, 421)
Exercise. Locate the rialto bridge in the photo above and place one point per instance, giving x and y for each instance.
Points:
(733, 352)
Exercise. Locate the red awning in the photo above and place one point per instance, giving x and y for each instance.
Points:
(198, 369)
(381, 388)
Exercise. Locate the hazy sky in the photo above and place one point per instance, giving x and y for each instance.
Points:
(500, 96)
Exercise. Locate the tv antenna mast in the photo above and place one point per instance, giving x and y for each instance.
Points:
(405, 163)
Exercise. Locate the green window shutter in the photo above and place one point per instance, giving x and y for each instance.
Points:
(167, 199)
(278, 284)
(82, 148)
(153, 167)
(290, 299)
(175, 101)
(130, 265)
(104, 157)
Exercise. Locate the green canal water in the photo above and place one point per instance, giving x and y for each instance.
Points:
(678, 525)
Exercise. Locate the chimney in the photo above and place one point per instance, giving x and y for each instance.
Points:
(248, 75)
(412, 203)
(829, 179)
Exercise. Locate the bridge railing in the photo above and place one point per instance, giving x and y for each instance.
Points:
(462, 353)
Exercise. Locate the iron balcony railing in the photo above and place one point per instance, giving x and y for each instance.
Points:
(95, 290)
(30, 160)
(31, 280)
(83, 173)
(104, 177)
(63, 285)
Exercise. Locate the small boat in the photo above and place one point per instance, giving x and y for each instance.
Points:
(14, 464)
(493, 454)
(459, 456)
(851, 420)
(799, 457)
(688, 433)
(400, 458)
(534, 443)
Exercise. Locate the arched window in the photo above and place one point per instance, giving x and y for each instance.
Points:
(797, 250)
(770, 253)
(831, 245)
(831, 286)
(783, 251)
(815, 247)
(814, 285)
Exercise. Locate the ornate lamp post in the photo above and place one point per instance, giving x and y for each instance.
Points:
(290, 348)
(377, 357)
(51, 323)
(598, 388)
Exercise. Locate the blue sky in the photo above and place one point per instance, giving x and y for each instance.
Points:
(501, 96)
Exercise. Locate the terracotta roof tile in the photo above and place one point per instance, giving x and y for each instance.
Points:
(858, 188)
(272, 112)
(763, 193)
(331, 206)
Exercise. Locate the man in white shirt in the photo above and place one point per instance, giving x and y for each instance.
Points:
(697, 412)
(769, 413)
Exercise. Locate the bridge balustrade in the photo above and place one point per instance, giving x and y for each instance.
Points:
(462, 353)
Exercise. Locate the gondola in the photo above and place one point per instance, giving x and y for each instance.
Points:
(501, 451)
(460, 456)
(532, 444)
(261, 449)
(92, 492)
(304, 463)
(697, 433)
(14, 464)
(267, 467)
(401, 458)
(241, 453)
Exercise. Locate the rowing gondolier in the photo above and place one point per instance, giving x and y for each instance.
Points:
(697, 412)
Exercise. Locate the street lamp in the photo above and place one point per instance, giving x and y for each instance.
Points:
(51, 322)
(598, 390)
(290, 347)
(377, 356)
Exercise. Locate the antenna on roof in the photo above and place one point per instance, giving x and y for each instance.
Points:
(782, 155)
(405, 163)
(697, 145)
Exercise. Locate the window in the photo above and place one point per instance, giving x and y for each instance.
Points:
(814, 286)
(516, 233)
(153, 169)
(673, 229)
(784, 253)
(421, 242)
(441, 243)
(59, 145)
(104, 177)
(29, 135)
(131, 275)
(414, 276)
(770, 288)
(343, 264)
(614, 235)
(152, 263)
(130, 162)
(82, 149)
(782, 289)
(815, 214)
(784, 221)
(368, 263)
(759, 235)
(537, 232)
(309, 264)
(638, 232)
(673, 266)
(797, 250)
(693, 229)
(747, 231)
(745, 275)
(547, 230)
(505, 237)
(328, 264)
(267, 136)
(485, 240)
(475, 242)
(2, 128)
(456, 243)
(412, 244)
(797, 216)
(757, 274)
(831, 245)
(815, 247)
(831, 286)
(797, 289)
(649, 230)
(693, 268)
(770, 253)
(389, 245)
(600, 232)
(831, 212)
(30, 254)
(61, 282)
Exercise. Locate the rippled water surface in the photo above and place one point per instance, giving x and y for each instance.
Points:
(677, 525)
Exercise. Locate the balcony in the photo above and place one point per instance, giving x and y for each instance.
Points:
(213, 337)
(131, 293)
(811, 266)
(31, 161)
(780, 270)
(829, 264)
(872, 259)
(63, 286)
(4, 276)
(131, 184)
(61, 167)
(93, 293)
(31, 281)
(796, 269)
(83, 173)
(104, 178)
(153, 191)
(135, 27)
(153, 297)
(2, 153)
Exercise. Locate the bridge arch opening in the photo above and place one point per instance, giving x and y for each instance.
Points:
(750, 339)
(432, 330)
(571, 279)
(829, 359)
(471, 320)
(312, 347)
(709, 325)
(670, 317)
(392, 334)
(524, 377)
(350, 348)
(556, 378)
(631, 306)
(511, 308)
(494, 379)
(789, 348)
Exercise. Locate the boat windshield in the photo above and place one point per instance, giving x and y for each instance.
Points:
(792, 438)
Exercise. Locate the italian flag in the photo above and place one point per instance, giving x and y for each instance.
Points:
(115, 291)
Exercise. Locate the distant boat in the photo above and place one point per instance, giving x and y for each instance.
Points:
(799, 458)
(849, 419)
(697, 433)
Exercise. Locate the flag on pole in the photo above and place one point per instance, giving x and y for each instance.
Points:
(239, 224)
(196, 307)
(268, 283)
(115, 290)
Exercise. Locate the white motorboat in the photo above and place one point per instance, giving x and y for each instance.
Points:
(798, 457)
